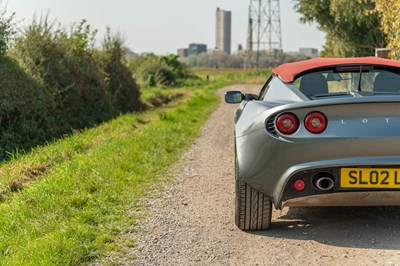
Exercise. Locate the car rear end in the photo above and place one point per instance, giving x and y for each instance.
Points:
(322, 132)
(331, 152)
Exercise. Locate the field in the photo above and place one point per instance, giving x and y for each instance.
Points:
(235, 76)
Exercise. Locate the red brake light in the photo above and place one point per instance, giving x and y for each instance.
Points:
(316, 122)
(287, 123)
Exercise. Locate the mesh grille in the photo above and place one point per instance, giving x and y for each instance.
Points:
(271, 126)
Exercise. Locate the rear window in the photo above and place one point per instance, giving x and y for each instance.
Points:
(341, 81)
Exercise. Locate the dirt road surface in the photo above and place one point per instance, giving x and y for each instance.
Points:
(192, 222)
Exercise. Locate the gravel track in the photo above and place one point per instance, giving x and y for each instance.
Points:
(192, 221)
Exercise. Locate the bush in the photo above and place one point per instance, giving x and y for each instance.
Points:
(66, 67)
(164, 71)
(58, 82)
(7, 30)
(120, 83)
(25, 120)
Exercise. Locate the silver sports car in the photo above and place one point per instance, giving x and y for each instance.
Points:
(321, 132)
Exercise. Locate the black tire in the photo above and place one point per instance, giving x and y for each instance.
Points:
(253, 209)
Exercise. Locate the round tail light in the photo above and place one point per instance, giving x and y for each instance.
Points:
(316, 122)
(287, 123)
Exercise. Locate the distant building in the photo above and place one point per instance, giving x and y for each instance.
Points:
(196, 49)
(223, 31)
(309, 52)
(183, 52)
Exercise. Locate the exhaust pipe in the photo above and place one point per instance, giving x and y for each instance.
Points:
(324, 183)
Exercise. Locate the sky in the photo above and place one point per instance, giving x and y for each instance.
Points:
(163, 26)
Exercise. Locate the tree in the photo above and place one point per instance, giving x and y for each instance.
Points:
(350, 31)
(389, 13)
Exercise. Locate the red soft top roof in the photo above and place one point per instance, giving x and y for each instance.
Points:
(289, 71)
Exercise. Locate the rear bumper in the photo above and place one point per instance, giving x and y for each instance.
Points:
(285, 187)
(367, 198)
(268, 164)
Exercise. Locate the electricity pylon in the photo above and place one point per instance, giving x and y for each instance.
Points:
(264, 31)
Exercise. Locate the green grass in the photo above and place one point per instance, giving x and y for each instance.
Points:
(65, 203)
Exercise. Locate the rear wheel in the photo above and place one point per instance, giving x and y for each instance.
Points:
(253, 209)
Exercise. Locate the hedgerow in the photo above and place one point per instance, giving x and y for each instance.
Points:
(68, 71)
(25, 118)
(54, 82)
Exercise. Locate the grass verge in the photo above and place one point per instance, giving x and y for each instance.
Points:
(65, 203)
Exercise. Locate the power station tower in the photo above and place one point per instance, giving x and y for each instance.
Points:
(264, 34)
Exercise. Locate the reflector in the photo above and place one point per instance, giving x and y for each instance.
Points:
(299, 185)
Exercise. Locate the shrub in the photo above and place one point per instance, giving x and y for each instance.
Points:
(7, 30)
(120, 83)
(25, 120)
(164, 71)
(54, 81)
(66, 66)
(58, 81)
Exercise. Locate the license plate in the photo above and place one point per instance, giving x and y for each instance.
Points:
(370, 178)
